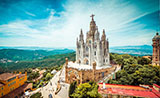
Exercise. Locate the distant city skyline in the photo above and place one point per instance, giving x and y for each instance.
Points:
(57, 23)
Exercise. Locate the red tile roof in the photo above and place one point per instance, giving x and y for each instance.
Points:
(156, 85)
(126, 90)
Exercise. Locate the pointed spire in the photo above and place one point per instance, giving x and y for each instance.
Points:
(104, 32)
(81, 32)
(103, 38)
(81, 36)
(92, 26)
(77, 42)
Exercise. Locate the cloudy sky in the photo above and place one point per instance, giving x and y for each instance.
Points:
(57, 23)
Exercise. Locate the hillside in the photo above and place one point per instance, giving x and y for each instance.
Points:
(48, 61)
(140, 50)
(12, 55)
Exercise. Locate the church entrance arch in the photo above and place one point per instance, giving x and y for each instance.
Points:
(73, 76)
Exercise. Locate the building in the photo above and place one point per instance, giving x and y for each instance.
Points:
(11, 83)
(129, 91)
(92, 57)
(156, 50)
(94, 49)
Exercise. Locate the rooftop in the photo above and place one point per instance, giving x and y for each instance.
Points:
(6, 76)
(128, 90)
(85, 67)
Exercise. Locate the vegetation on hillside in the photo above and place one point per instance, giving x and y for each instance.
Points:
(28, 55)
(135, 70)
(85, 90)
(48, 61)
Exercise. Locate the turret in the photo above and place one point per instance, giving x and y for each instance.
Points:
(96, 35)
(77, 43)
(103, 38)
(92, 26)
(107, 44)
(81, 36)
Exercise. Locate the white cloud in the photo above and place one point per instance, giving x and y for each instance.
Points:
(31, 14)
(113, 16)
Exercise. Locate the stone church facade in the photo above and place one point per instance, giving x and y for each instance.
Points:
(92, 57)
(94, 49)
(156, 50)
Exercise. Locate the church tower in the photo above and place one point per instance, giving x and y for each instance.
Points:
(156, 50)
(93, 49)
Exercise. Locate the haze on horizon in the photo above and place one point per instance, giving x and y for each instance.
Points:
(57, 23)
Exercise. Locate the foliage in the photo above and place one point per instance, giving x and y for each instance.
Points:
(72, 88)
(33, 75)
(135, 71)
(144, 61)
(49, 61)
(37, 95)
(29, 55)
(48, 76)
(87, 90)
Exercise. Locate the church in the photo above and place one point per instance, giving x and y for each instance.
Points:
(92, 57)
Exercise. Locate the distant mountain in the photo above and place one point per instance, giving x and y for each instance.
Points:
(28, 48)
(13, 55)
(140, 50)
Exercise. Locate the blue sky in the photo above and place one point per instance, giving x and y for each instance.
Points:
(57, 23)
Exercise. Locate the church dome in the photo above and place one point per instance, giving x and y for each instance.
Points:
(156, 37)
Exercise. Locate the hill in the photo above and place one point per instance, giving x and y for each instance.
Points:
(48, 61)
(13, 55)
(140, 50)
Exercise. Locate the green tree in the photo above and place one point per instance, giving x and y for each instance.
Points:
(144, 61)
(86, 90)
(48, 76)
(72, 88)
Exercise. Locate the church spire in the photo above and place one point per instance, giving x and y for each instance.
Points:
(92, 26)
(81, 36)
(92, 17)
(103, 36)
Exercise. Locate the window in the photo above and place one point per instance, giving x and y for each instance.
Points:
(102, 74)
(86, 48)
(95, 53)
(1, 94)
(87, 62)
(90, 41)
(2, 88)
(12, 83)
(11, 79)
(86, 55)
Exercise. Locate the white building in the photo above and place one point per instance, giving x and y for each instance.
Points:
(93, 49)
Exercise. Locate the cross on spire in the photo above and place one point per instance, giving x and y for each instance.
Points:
(92, 16)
